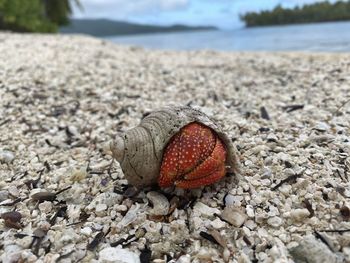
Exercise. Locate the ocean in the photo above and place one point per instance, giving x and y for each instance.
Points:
(324, 37)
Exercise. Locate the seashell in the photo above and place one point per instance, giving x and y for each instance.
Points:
(160, 203)
(129, 217)
(234, 215)
(115, 254)
(146, 153)
(6, 157)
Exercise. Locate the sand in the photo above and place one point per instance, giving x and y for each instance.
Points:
(62, 98)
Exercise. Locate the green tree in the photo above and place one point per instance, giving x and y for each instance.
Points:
(58, 11)
(34, 15)
(317, 12)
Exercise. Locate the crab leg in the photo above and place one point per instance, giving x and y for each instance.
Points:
(203, 181)
(209, 165)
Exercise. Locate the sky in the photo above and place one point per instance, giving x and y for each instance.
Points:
(220, 13)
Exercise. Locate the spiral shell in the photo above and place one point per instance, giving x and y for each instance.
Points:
(140, 149)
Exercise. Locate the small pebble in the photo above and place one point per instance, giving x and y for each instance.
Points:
(275, 221)
(6, 157)
(250, 211)
(233, 200)
(160, 203)
(3, 195)
(217, 223)
(45, 207)
(13, 190)
(233, 215)
(87, 231)
(299, 214)
(322, 127)
(184, 259)
(101, 209)
(314, 251)
(205, 210)
(117, 255)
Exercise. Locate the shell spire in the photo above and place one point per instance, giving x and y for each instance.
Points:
(117, 147)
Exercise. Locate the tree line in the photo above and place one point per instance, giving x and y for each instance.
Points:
(310, 13)
(35, 15)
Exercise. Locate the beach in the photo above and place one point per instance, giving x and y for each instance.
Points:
(63, 98)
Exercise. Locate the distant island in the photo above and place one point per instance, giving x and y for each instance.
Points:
(105, 27)
(311, 13)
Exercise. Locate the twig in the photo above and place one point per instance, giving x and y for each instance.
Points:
(13, 202)
(287, 180)
(341, 106)
(335, 230)
(76, 223)
(4, 122)
(325, 241)
(208, 237)
(96, 172)
(291, 108)
(61, 210)
(123, 240)
(64, 189)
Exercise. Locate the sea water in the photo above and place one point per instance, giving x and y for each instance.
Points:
(329, 37)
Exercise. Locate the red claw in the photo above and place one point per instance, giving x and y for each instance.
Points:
(194, 157)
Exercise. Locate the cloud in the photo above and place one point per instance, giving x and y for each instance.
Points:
(173, 4)
(222, 13)
(126, 8)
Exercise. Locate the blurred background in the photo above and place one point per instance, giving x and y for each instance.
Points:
(254, 25)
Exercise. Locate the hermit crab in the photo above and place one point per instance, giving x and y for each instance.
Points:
(175, 146)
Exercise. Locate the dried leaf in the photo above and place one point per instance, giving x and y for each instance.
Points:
(44, 196)
(345, 212)
(14, 216)
(12, 219)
